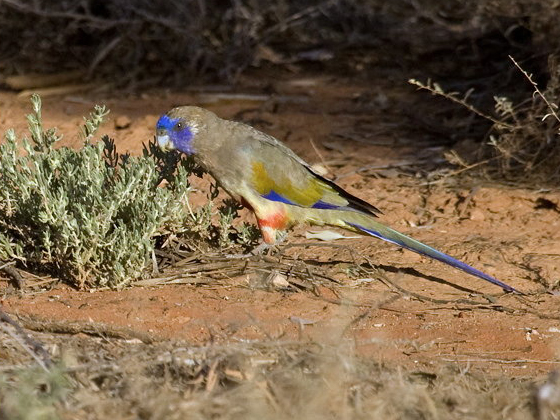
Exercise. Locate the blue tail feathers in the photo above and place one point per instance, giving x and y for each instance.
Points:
(423, 249)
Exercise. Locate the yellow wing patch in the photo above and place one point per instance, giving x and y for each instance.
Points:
(314, 191)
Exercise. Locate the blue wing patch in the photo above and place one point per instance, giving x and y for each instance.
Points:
(325, 206)
(321, 205)
(274, 196)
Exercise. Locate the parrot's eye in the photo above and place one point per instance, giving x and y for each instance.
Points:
(179, 126)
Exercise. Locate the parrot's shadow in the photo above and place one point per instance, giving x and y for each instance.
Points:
(416, 273)
(390, 269)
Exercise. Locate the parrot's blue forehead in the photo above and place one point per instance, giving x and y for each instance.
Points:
(167, 123)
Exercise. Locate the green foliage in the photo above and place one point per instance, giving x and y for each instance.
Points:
(92, 216)
(33, 393)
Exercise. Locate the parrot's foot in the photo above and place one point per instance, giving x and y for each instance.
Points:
(263, 248)
(258, 250)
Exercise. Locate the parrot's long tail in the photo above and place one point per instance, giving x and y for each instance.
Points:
(390, 235)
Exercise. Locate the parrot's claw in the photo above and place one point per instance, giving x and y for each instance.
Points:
(263, 248)
(258, 250)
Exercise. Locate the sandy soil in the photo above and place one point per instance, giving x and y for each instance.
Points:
(358, 132)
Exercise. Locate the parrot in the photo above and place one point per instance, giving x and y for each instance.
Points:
(279, 187)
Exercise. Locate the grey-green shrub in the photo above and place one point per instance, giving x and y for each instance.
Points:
(91, 216)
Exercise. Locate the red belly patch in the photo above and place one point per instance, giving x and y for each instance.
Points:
(277, 220)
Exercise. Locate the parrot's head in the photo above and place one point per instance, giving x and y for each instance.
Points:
(178, 128)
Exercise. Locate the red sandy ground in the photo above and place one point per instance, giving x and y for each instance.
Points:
(501, 230)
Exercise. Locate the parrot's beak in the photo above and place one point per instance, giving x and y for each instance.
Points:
(165, 142)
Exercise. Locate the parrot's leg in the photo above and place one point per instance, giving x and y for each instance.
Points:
(273, 230)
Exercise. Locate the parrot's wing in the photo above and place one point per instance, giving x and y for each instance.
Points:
(278, 174)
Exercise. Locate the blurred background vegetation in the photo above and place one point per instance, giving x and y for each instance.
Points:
(464, 46)
(176, 41)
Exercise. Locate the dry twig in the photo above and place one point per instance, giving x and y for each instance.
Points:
(28, 343)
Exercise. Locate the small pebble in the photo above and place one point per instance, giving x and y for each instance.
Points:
(477, 215)
(122, 122)
(279, 281)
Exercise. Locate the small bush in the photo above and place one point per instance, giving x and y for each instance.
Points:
(92, 216)
(523, 143)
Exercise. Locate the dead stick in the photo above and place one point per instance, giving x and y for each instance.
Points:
(89, 328)
(36, 347)
(14, 274)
